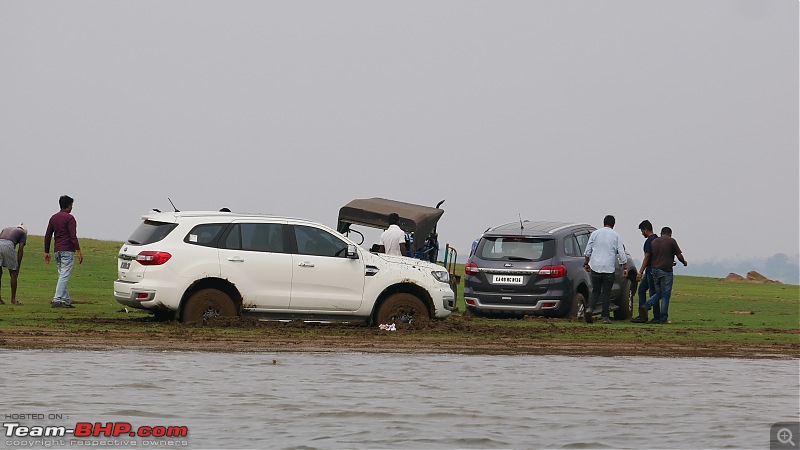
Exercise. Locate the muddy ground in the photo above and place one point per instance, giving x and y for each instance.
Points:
(457, 335)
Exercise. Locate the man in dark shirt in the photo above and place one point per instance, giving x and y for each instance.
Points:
(665, 249)
(63, 226)
(645, 275)
(9, 238)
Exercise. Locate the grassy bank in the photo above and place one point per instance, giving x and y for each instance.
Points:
(705, 311)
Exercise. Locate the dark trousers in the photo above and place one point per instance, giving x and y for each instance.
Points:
(647, 284)
(601, 287)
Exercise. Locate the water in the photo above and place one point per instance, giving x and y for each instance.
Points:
(354, 400)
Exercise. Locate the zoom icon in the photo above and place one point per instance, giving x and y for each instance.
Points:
(784, 435)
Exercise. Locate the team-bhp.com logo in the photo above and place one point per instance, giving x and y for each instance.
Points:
(97, 429)
(88, 434)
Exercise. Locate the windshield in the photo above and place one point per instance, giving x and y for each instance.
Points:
(150, 231)
(515, 248)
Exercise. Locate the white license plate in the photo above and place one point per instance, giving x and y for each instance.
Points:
(124, 265)
(507, 279)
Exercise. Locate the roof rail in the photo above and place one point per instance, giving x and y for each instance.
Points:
(567, 226)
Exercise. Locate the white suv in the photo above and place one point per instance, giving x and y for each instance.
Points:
(192, 266)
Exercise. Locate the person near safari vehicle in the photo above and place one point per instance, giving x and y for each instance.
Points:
(393, 240)
(63, 227)
(665, 249)
(603, 250)
(10, 238)
(645, 274)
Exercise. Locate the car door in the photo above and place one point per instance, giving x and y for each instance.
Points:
(323, 277)
(619, 278)
(255, 257)
(573, 260)
(582, 237)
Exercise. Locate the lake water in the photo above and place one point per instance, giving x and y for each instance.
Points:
(355, 400)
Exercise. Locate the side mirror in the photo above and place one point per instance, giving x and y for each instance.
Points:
(351, 251)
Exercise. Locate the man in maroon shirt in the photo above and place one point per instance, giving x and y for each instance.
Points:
(63, 226)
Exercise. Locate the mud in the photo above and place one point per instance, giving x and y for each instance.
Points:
(457, 335)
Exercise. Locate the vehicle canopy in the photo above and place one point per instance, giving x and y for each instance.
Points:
(374, 213)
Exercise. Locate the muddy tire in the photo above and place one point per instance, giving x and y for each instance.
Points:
(578, 307)
(402, 309)
(625, 302)
(208, 304)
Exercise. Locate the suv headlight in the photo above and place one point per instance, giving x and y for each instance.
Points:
(441, 275)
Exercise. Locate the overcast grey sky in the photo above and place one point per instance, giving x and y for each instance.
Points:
(681, 112)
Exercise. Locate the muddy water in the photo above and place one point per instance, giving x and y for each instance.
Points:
(325, 400)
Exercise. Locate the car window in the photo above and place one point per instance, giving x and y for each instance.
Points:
(571, 246)
(150, 231)
(314, 241)
(205, 234)
(583, 239)
(256, 237)
(515, 248)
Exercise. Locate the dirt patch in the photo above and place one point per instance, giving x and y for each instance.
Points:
(752, 277)
(457, 334)
(734, 277)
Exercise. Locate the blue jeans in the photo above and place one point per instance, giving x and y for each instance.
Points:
(645, 285)
(663, 282)
(601, 287)
(65, 261)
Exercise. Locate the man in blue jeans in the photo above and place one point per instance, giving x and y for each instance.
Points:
(63, 227)
(665, 249)
(603, 250)
(645, 275)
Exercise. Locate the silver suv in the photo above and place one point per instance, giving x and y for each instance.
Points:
(192, 266)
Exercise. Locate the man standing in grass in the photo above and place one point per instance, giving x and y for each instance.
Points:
(9, 238)
(665, 249)
(64, 227)
(645, 275)
(603, 251)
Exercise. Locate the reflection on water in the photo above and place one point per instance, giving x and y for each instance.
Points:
(354, 400)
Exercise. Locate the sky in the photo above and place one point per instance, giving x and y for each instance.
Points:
(682, 112)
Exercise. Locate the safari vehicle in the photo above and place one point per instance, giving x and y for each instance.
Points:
(418, 221)
(193, 266)
(536, 268)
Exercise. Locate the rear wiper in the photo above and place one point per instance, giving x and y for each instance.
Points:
(518, 258)
(134, 242)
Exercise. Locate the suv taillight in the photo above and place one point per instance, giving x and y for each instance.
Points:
(149, 258)
(552, 271)
(471, 269)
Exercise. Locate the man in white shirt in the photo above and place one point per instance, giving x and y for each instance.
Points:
(393, 240)
(602, 251)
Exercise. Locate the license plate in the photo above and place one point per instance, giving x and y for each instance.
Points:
(125, 265)
(507, 279)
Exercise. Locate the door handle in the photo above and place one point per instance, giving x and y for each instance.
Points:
(306, 264)
(235, 259)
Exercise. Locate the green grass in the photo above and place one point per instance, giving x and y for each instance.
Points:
(704, 310)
